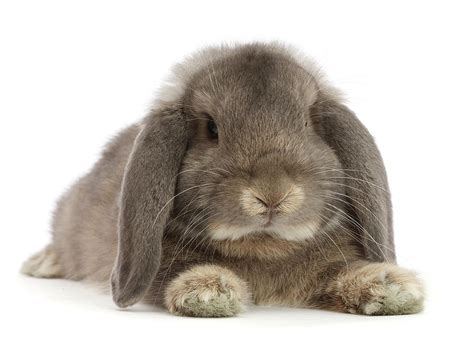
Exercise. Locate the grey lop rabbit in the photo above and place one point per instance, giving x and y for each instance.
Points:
(248, 181)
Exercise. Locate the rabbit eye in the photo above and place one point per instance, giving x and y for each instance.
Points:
(212, 129)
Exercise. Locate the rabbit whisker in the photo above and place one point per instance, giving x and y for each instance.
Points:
(357, 224)
(172, 198)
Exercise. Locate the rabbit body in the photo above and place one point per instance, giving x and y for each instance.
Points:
(304, 221)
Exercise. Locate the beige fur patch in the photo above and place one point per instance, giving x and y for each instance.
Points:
(380, 289)
(207, 291)
(43, 264)
(259, 245)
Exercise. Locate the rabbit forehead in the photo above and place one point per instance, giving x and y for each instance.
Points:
(244, 85)
(233, 58)
(255, 91)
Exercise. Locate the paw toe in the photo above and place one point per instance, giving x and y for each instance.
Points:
(383, 289)
(206, 291)
(220, 304)
(394, 300)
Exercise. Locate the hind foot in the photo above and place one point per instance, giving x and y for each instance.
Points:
(44, 264)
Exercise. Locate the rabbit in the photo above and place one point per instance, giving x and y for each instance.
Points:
(249, 181)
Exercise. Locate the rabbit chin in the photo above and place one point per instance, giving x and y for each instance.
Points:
(302, 232)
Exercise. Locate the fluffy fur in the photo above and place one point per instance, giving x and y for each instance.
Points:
(288, 205)
(207, 291)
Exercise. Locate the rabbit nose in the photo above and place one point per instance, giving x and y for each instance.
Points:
(256, 204)
(268, 204)
(271, 203)
(271, 206)
(271, 191)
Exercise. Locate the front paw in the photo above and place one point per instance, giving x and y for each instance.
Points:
(206, 291)
(380, 289)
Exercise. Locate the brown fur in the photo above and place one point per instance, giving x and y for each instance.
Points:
(290, 204)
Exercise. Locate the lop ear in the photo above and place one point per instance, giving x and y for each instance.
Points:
(366, 179)
(145, 204)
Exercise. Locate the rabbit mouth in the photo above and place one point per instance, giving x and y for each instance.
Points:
(300, 232)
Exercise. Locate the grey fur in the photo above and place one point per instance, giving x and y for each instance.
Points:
(165, 197)
(145, 203)
(358, 153)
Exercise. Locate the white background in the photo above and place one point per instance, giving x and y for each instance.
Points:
(73, 73)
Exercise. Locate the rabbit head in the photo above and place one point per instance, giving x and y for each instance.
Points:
(245, 140)
(254, 162)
